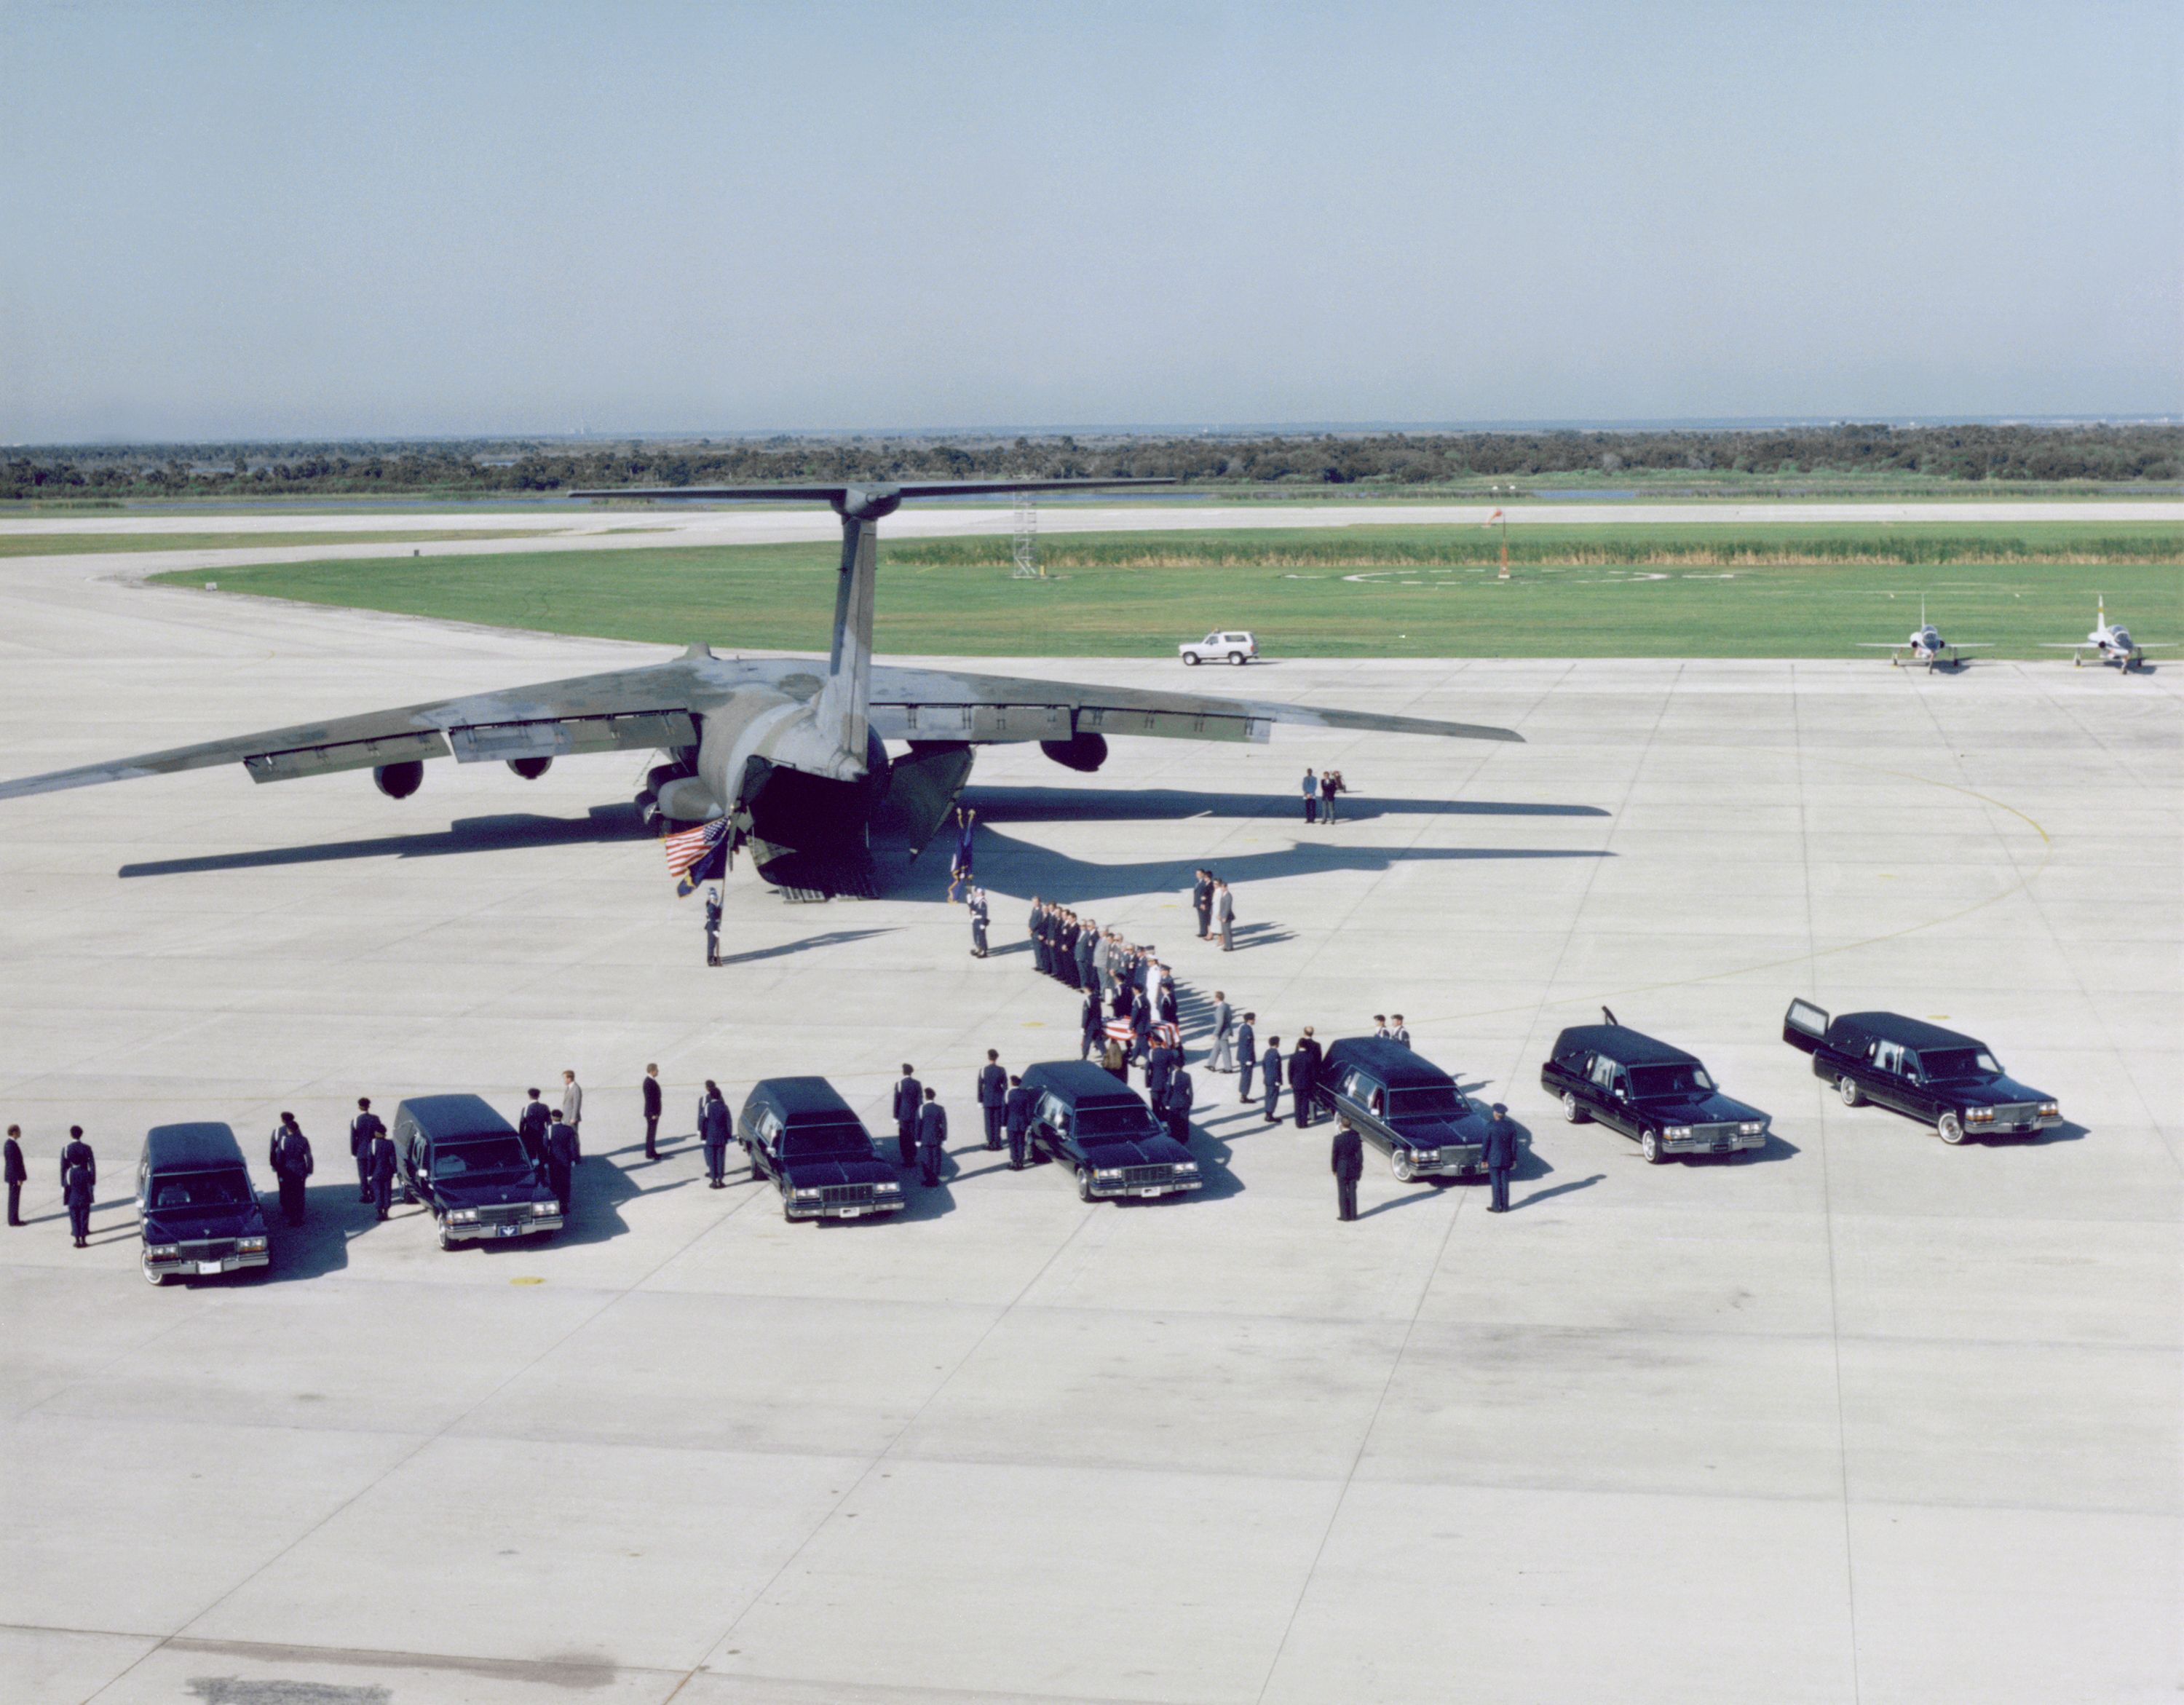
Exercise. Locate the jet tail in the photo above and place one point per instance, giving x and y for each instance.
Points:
(844, 702)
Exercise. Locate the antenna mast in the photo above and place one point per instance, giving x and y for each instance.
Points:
(1025, 542)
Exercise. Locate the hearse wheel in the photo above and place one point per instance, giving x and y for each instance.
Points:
(1575, 1114)
(446, 1242)
(1649, 1145)
(1950, 1128)
(152, 1278)
(1399, 1163)
(1847, 1087)
(1084, 1184)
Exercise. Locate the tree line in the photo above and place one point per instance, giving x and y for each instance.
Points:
(485, 467)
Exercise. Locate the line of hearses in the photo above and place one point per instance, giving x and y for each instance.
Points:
(200, 1213)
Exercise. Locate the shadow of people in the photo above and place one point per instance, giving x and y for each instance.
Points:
(1428, 1193)
(1245, 935)
(921, 1200)
(332, 1215)
(831, 938)
(600, 1189)
(1555, 1190)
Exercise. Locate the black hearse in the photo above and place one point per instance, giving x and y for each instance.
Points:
(1103, 1132)
(468, 1164)
(799, 1133)
(1404, 1106)
(1950, 1081)
(196, 1206)
(1659, 1095)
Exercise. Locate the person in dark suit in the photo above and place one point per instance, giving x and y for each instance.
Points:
(78, 1153)
(1166, 1004)
(17, 1175)
(379, 1165)
(1499, 1152)
(79, 1185)
(361, 1130)
(1201, 901)
(713, 1125)
(1247, 1055)
(531, 1125)
(1347, 1161)
(712, 925)
(1019, 1122)
(1088, 949)
(290, 1157)
(561, 1160)
(1037, 929)
(1175, 1105)
(908, 1094)
(1270, 1067)
(650, 1090)
(1159, 1066)
(1304, 1062)
(931, 1137)
(1093, 1026)
(992, 1097)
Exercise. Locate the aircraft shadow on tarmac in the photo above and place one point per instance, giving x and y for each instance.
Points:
(1152, 805)
(831, 938)
(497, 834)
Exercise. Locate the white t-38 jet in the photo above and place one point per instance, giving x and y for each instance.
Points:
(791, 752)
(1925, 645)
(2110, 641)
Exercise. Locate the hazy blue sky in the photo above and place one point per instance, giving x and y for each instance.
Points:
(268, 220)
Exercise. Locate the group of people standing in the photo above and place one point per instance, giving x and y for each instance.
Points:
(1320, 792)
(79, 1180)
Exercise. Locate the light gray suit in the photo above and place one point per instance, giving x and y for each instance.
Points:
(1223, 1059)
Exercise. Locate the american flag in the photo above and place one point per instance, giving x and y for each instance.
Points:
(690, 854)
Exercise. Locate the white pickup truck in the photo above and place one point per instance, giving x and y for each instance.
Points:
(1220, 647)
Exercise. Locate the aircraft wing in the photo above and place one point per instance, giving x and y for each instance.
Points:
(653, 707)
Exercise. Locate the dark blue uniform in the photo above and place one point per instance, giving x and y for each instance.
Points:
(379, 1161)
(78, 1186)
(908, 1093)
(1019, 1122)
(993, 1101)
(290, 1157)
(1347, 1161)
(713, 1132)
(1272, 1068)
(530, 1126)
(361, 1130)
(1499, 1152)
(561, 1161)
(17, 1178)
(932, 1139)
(1176, 1104)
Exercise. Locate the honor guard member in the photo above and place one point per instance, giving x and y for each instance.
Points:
(1176, 1104)
(379, 1166)
(1160, 1068)
(1094, 1023)
(1398, 1034)
(1348, 1162)
(79, 1183)
(78, 1153)
(1270, 1067)
(561, 1158)
(650, 1090)
(981, 914)
(907, 1097)
(17, 1176)
(1304, 1073)
(1019, 1121)
(1224, 914)
(993, 1096)
(1499, 1153)
(1247, 1055)
(712, 925)
(713, 1131)
(530, 1126)
(1380, 1028)
(1202, 902)
(290, 1157)
(361, 1130)
(931, 1137)
(572, 1112)
(1223, 1059)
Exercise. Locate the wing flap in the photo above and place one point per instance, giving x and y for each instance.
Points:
(560, 736)
(348, 755)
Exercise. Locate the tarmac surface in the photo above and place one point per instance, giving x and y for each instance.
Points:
(1860, 1419)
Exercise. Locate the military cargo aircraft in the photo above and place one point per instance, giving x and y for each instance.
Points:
(789, 753)
(2110, 641)
(1925, 645)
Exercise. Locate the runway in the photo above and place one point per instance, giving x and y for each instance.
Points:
(1863, 1418)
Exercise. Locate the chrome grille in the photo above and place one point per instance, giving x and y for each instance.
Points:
(208, 1249)
(846, 1196)
(1141, 1176)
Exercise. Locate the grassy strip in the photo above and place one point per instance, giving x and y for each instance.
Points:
(781, 596)
(83, 544)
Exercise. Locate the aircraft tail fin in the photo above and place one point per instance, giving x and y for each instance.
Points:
(846, 700)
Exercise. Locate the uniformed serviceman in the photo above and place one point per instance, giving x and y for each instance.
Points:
(1093, 1026)
(17, 1175)
(1397, 1033)
(78, 1153)
(908, 1094)
(530, 1126)
(561, 1159)
(1159, 1066)
(1247, 1055)
(1304, 1071)
(1499, 1153)
(1347, 1161)
(1019, 1120)
(379, 1167)
(712, 925)
(1270, 1068)
(79, 1183)
(650, 1087)
(361, 1130)
(992, 1097)
(981, 915)
(1176, 1104)
(713, 1123)
(290, 1157)
(931, 1137)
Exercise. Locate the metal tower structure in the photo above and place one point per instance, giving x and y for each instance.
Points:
(1026, 540)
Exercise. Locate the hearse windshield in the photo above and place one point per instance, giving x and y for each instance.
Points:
(1943, 1064)
(1117, 1119)
(1426, 1102)
(181, 1192)
(814, 1142)
(481, 1155)
(1655, 1082)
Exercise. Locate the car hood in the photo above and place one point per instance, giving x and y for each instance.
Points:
(192, 1228)
(1145, 1151)
(817, 1174)
(1991, 1092)
(1440, 1131)
(490, 1192)
(1699, 1109)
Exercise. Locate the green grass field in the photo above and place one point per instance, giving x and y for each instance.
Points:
(1796, 590)
(77, 544)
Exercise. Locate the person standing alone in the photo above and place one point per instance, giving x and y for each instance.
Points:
(712, 925)
(650, 1087)
(18, 1176)
(1499, 1154)
(1347, 1161)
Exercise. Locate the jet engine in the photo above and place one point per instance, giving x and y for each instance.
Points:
(399, 781)
(1084, 752)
